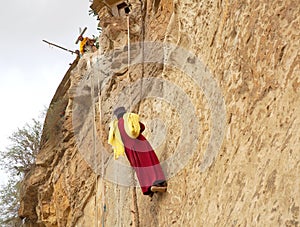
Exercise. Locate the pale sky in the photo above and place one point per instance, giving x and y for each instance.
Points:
(30, 71)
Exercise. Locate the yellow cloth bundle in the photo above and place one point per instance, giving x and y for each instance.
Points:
(132, 125)
(115, 140)
(132, 128)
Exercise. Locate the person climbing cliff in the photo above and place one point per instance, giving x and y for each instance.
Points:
(125, 137)
(87, 45)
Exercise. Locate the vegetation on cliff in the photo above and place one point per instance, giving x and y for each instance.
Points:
(17, 160)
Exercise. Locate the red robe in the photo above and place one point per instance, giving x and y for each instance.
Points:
(142, 158)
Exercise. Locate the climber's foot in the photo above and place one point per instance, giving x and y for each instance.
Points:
(158, 189)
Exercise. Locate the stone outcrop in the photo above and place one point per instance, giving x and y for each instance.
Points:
(217, 85)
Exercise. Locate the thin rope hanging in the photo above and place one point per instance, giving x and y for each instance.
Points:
(94, 143)
(143, 52)
(102, 153)
(128, 58)
(135, 213)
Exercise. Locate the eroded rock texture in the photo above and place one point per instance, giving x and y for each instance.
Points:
(217, 85)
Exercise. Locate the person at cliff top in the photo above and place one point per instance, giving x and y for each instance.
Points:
(125, 137)
(87, 45)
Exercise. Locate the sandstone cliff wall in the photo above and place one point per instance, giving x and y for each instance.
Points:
(217, 85)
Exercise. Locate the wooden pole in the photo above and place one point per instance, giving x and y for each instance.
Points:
(52, 44)
(81, 34)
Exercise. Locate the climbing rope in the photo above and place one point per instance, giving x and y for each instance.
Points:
(92, 84)
(134, 198)
(95, 149)
(143, 51)
(128, 58)
(94, 144)
(134, 194)
(102, 153)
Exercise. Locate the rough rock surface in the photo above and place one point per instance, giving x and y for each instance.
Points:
(234, 161)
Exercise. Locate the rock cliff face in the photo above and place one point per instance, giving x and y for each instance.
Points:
(216, 84)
